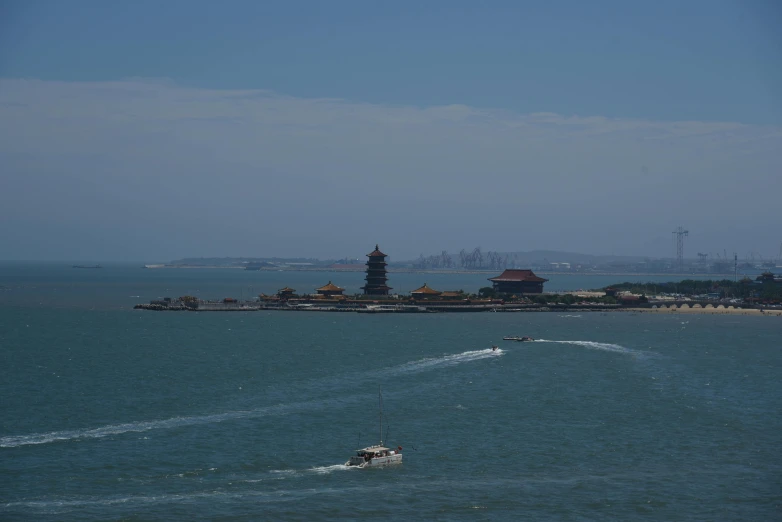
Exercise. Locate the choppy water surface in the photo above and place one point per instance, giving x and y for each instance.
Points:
(121, 414)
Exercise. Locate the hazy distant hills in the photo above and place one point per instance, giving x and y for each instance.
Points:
(554, 256)
(532, 257)
(233, 261)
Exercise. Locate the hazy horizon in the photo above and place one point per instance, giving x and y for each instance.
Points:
(258, 131)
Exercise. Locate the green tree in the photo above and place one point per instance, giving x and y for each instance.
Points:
(568, 299)
(487, 291)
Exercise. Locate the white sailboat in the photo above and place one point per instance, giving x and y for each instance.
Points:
(378, 455)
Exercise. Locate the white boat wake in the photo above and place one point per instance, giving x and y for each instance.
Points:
(320, 470)
(13, 441)
(445, 360)
(324, 470)
(592, 345)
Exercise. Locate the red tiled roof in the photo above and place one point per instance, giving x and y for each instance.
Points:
(376, 252)
(426, 290)
(330, 288)
(518, 274)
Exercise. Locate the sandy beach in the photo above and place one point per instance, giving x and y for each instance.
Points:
(707, 311)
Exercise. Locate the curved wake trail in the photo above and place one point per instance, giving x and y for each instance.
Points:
(14, 441)
(446, 360)
(592, 345)
(175, 422)
(117, 429)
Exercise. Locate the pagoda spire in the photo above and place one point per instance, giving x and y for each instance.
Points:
(376, 273)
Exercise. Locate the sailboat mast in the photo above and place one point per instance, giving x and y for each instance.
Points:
(380, 400)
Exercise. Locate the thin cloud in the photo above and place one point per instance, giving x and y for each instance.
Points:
(124, 150)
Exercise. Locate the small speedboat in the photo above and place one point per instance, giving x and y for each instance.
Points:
(526, 339)
(511, 338)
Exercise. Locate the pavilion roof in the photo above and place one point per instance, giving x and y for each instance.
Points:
(518, 274)
(286, 289)
(376, 252)
(331, 287)
(426, 290)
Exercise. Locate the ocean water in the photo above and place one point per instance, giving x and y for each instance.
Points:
(114, 414)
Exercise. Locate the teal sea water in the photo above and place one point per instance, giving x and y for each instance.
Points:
(114, 414)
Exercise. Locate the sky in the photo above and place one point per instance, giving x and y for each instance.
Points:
(158, 130)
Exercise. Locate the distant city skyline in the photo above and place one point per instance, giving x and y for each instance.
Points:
(154, 131)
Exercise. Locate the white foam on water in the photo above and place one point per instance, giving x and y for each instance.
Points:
(592, 345)
(323, 470)
(446, 360)
(13, 441)
(283, 471)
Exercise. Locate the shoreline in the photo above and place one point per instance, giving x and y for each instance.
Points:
(708, 311)
(418, 309)
(362, 268)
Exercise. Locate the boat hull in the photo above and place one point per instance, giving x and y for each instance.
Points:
(377, 462)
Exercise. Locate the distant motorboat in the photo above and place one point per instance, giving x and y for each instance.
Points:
(524, 339)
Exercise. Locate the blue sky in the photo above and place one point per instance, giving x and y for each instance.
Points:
(613, 78)
(706, 60)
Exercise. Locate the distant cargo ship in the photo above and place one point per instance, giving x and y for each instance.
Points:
(87, 266)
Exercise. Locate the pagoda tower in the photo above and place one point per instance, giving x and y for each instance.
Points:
(376, 274)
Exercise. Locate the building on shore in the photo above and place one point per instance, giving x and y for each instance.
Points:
(518, 281)
(330, 290)
(376, 274)
(452, 295)
(425, 292)
(286, 293)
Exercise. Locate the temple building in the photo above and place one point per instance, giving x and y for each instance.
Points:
(518, 281)
(376, 274)
(330, 290)
(425, 292)
(285, 293)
